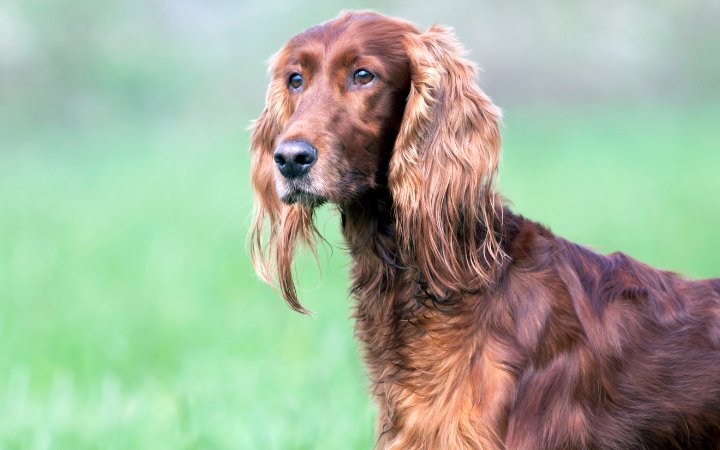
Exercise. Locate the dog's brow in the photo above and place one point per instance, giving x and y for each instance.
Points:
(305, 57)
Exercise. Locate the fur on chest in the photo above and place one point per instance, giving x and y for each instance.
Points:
(439, 375)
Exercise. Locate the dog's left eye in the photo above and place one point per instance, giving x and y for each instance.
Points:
(363, 77)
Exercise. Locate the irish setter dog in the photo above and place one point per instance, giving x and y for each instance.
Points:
(480, 328)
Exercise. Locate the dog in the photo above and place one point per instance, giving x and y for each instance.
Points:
(480, 328)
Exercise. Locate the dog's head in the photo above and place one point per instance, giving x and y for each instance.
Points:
(362, 102)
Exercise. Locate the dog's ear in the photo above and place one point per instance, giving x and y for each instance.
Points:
(276, 227)
(443, 166)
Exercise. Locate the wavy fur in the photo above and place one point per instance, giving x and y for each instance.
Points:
(443, 167)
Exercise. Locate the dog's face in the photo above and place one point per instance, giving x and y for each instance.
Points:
(343, 85)
(364, 102)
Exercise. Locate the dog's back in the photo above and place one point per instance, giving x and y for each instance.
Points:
(620, 355)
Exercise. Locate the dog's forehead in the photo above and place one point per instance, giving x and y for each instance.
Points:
(349, 36)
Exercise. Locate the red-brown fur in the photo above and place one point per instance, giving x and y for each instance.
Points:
(481, 329)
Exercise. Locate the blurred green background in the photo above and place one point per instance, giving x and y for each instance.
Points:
(129, 313)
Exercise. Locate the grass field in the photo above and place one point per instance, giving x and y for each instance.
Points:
(130, 316)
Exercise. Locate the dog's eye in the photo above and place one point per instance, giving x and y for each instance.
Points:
(363, 77)
(295, 81)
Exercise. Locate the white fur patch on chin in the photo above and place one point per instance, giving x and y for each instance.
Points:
(305, 198)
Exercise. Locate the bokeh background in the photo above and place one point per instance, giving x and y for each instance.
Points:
(129, 313)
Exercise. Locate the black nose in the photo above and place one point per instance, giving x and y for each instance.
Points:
(295, 158)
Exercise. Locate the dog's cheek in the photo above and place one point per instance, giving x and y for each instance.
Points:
(327, 179)
(332, 186)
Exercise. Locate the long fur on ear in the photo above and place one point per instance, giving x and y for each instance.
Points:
(272, 249)
(442, 170)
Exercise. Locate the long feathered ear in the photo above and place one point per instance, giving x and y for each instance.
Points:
(443, 167)
(276, 227)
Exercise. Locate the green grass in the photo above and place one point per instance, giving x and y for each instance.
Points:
(130, 316)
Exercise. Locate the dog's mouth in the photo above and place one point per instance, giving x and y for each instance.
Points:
(300, 190)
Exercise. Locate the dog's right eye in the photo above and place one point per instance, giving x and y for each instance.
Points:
(295, 81)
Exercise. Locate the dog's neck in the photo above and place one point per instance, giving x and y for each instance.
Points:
(377, 271)
(369, 226)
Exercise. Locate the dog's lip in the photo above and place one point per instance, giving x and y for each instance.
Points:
(304, 197)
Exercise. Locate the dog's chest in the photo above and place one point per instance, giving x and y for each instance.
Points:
(438, 380)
